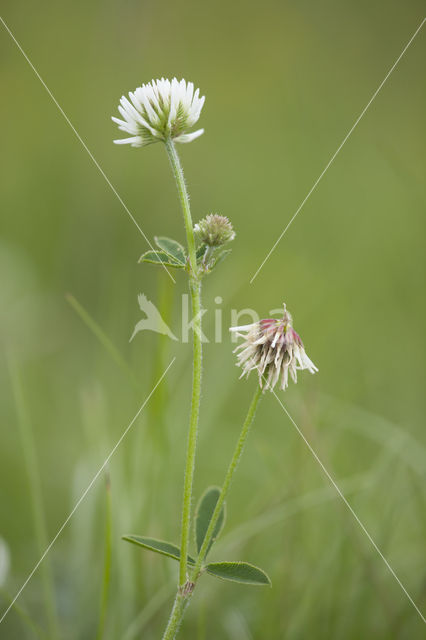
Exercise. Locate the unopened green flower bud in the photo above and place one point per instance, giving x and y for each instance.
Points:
(214, 230)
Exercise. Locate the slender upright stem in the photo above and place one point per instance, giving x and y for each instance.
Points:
(184, 201)
(227, 482)
(195, 288)
(175, 618)
(192, 433)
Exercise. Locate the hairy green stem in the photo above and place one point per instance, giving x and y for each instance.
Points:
(192, 435)
(184, 201)
(175, 618)
(107, 561)
(195, 288)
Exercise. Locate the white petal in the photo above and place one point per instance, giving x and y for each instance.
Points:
(243, 327)
(136, 141)
(189, 137)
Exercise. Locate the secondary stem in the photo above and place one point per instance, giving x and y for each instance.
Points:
(195, 288)
(227, 482)
(181, 602)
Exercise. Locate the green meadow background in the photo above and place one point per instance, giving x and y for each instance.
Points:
(284, 82)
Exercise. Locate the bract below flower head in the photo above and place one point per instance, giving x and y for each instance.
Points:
(273, 348)
(159, 110)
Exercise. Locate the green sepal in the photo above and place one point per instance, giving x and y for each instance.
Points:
(172, 248)
(159, 546)
(203, 515)
(160, 257)
(242, 572)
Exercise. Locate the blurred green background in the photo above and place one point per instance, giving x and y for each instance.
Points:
(284, 82)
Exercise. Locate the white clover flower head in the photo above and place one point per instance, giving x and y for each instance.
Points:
(159, 110)
(214, 230)
(274, 349)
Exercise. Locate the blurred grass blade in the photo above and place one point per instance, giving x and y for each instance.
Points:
(242, 572)
(101, 336)
(157, 601)
(107, 561)
(25, 617)
(37, 505)
(204, 513)
(159, 546)
(157, 408)
(4, 561)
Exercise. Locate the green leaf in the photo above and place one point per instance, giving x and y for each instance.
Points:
(172, 248)
(159, 546)
(238, 572)
(203, 515)
(160, 257)
(201, 252)
(217, 259)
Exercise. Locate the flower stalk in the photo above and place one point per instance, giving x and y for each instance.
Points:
(184, 201)
(228, 479)
(195, 289)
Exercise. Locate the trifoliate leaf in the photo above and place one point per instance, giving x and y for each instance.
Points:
(172, 248)
(159, 546)
(203, 515)
(160, 257)
(242, 572)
